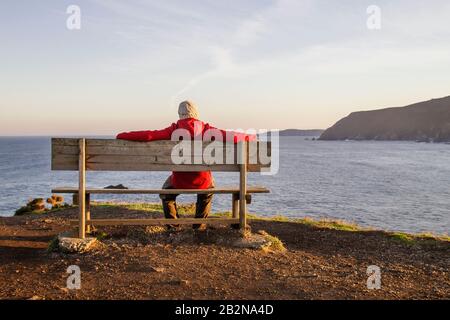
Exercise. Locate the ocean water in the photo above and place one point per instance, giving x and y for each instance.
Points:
(402, 186)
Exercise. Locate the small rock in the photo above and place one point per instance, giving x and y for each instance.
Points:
(158, 269)
(75, 245)
(180, 282)
(254, 241)
(36, 298)
(119, 186)
(184, 282)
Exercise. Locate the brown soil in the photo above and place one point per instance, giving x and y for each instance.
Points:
(138, 263)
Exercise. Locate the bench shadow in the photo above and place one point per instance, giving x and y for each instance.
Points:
(20, 254)
(27, 238)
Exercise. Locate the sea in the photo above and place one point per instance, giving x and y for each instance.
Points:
(390, 185)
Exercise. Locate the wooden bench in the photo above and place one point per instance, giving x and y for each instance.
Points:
(119, 155)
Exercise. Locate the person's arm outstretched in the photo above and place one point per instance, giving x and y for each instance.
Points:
(148, 135)
(232, 136)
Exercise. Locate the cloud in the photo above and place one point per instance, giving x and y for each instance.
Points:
(284, 36)
(248, 31)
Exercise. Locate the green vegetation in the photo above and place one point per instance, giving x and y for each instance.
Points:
(100, 235)
(322, 223)
(332, 224)
(37, 206)
(53, 245)
(401, 237)
(426, 239)
(275, 243)
(34, 206)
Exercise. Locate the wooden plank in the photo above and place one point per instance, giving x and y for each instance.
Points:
(56, 166)
(107, 144)
(127, 143)
(111, 146)
(154, 148)
(223, 190)
(82, 191)
(118, 155)
(243, 187)
(65, 141)
(162, 221)
(135, 159)
(160, 167)
(70, 164)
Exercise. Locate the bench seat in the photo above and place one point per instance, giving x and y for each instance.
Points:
(135, 222)
(221, 190)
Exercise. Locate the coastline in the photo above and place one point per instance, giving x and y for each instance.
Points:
(322, 260)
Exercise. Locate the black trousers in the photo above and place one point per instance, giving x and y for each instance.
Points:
(202, 206)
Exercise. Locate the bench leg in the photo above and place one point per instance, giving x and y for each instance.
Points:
(243, 214)
(235, 205)
(88, 212)
(235, 209)
(82, 190)
(243, 184)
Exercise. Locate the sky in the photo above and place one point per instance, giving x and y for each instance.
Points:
(263, 64)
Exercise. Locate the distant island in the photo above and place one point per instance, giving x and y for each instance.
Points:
(427, 121)
(300, 133)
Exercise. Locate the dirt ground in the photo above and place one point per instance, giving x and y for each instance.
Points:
(133, 263)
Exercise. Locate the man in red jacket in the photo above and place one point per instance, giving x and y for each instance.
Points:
(188, 114)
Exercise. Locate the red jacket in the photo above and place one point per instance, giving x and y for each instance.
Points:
(186, 180)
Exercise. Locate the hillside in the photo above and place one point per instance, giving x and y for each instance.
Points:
(423, 121)
(320, 260)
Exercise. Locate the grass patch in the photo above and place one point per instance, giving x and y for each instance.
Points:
(323, 223)
(275, 243)
(424, 239)
(331, 224)
(430, 236)
(401, 237)
(25, 211)
(100, 235)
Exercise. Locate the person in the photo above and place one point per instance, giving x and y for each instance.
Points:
(188, 119)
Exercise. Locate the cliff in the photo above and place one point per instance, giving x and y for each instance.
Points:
(423, 121)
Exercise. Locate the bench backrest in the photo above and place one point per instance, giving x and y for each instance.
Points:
(122, 155)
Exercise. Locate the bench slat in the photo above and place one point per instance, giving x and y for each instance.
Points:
(223, 190)
(155, 148)
(121, 155)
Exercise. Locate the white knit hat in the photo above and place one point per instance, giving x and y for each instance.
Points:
(187, 109)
